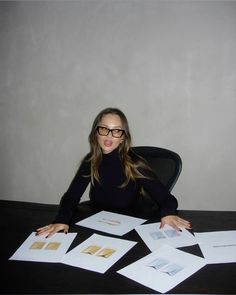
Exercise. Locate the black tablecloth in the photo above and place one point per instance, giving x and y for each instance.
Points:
(19, 219)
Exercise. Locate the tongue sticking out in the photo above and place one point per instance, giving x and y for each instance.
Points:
(107, 142)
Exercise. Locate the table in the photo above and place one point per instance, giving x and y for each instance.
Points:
(19, 219)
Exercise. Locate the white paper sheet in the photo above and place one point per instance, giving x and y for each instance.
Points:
(97, 253)
(154, 237)
(218, 246)
(42, 249)
(163, 269)
(109, 222)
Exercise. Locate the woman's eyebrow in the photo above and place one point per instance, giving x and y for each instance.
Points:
(113, 127)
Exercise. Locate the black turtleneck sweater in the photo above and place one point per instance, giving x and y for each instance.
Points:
(108, 195)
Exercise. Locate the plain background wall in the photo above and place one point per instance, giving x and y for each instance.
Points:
(169, 65)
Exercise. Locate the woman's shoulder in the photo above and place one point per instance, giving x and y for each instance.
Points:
(86, 158)
(85, 163)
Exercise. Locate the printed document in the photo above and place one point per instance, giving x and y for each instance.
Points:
(154, 237)
(163, 269)
(113, 223)
(218, 246)
(97, 253)
(42, 249)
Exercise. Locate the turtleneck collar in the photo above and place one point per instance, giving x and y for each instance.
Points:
(112, 155)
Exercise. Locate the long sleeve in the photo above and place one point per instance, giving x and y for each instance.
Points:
(71, 198)
(165, 200)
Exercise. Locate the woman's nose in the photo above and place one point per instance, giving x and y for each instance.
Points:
(109, 134)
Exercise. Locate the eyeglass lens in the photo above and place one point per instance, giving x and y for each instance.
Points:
(104, 131)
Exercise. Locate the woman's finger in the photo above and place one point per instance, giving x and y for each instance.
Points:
(184, 223)
(51, 229)
(46, 230)
(176, 222)
(43, 229)
(56, 229)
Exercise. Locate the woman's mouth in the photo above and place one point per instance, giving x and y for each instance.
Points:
(108, 143)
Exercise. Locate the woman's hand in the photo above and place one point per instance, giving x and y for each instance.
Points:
(51, 229)
(176, 222)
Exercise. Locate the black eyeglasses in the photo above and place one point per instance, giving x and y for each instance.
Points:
(104, 131)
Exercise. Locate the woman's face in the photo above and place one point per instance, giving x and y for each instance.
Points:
(109, 142)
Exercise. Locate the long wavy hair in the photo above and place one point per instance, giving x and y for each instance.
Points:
(130, 164)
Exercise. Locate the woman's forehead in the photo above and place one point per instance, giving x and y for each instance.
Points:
(111, 120)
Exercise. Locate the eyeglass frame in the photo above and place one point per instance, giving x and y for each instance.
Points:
(110, 130)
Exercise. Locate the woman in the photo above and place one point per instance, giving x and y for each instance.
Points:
(116, 176)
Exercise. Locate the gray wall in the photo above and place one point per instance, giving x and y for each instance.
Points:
(169, 65)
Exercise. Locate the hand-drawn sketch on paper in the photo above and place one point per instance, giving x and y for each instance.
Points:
(113, 223)
(163, 269)
(98, 253)
(42, 249)
(154, 236)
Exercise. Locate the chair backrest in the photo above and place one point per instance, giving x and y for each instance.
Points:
(165, 163)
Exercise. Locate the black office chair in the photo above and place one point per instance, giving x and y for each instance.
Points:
(165, 163)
